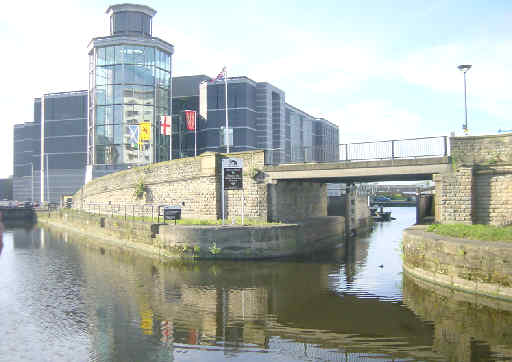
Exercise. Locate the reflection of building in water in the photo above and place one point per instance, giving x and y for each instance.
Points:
(467, 327)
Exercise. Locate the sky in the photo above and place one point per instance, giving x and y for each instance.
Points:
(378, 69)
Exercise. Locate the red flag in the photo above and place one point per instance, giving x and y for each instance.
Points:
(220, 76)
(191, 120)
(165, 125)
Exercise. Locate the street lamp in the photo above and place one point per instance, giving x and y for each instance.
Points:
(464, 68)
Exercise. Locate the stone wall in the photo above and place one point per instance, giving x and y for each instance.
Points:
(474, 266)
(479, 188)
(292, 200)
(454, 197)
(255, 188)
(493, 195)
(203, 241)
(357, 210)
(194, 183)
(482, 150)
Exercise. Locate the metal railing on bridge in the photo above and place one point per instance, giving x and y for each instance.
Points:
(362, 151)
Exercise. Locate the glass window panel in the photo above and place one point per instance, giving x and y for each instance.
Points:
(108, 154)
(166, 79)
(109, 74)
(100, 95)
(166, 60)
(137, 54)
(148, 75)
(129, 114)
(118, 94)
(117, 154)
(118, 74)
(100, 135)
(101, 76)
(109, 119)
(109, 55)
(148, 95)
(148, 113)
(138, 94)
(100, 155)
(133, 54)
(100, 115)
(128, 95)
(138, 110)
(109, 99)
(118, 134)
(119, 50)
(101, 59)
(118, 114)
(150, 56)
(109, 134)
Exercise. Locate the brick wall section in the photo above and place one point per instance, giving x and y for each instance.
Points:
(479, 190)
(481, 267)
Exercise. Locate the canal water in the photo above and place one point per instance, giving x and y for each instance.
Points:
(64, 300)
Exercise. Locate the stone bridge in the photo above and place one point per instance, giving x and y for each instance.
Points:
(473, 185)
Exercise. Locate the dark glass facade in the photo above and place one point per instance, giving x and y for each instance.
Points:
(60, 122)
(259, 117)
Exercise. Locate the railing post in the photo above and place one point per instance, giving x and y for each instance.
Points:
(445, 146)
(392, 149)
(346, 151)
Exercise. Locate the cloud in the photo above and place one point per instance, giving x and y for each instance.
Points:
(488, 81)
(375, 120)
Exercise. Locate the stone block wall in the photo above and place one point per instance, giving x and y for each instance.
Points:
(482, 150)
(475, 266)
(454, 197)
(479, 189)
(194, 183)
(189, 180)
(493, 195)
(290, 201)
(255, 188)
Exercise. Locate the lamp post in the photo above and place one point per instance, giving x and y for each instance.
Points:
(464, 68)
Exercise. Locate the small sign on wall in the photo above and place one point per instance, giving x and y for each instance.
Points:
(232, 171)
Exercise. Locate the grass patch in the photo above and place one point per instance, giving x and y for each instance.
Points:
(475, 232)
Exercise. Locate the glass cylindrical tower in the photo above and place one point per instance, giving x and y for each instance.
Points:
(129, 89)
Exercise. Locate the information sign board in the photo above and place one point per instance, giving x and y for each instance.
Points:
(232, 172)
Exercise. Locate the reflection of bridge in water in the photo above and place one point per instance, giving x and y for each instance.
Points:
(393, 160)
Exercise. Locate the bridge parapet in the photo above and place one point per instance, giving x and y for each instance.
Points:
(362, 151)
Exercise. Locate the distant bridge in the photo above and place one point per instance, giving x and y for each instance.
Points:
(394, 160)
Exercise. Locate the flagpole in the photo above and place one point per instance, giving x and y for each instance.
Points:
(170, 137)
(227, 122)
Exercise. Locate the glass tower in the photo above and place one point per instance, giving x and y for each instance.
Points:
(129, 89)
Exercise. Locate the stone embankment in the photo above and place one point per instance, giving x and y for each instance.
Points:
(473, 266)
(202, 241)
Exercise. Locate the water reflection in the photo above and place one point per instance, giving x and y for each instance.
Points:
(467, 327)
(81, 301)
